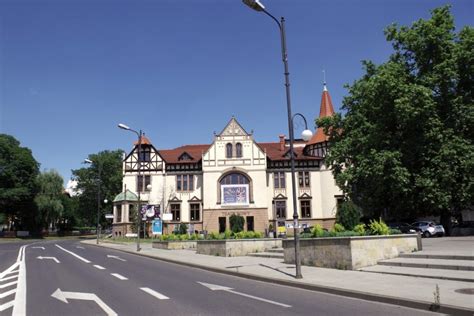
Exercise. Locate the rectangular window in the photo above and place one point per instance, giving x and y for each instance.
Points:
(194, 209)
(305, 208)
(303, 179)
(119, 213)
(279, 180)
(176, 212)
(145, 154)
(184, 182)
(143, 182)
(280, 207)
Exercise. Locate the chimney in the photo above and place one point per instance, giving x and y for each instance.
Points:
(282, 142)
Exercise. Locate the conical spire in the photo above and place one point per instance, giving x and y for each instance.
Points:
(325, 110)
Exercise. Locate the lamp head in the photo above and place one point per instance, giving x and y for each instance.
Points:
(106, 201)
(123, 126)
(254, 4)
(306, 135)
(148, 187)
(87, 161)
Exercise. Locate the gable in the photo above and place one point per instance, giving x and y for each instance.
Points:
(233, 128)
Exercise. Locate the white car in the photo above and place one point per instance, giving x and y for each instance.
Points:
(429, 229)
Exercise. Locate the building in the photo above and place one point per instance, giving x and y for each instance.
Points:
(203, 185)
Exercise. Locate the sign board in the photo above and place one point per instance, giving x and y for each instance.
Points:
(235, 194)
(167, 216)
(109, 216)
(157, 227)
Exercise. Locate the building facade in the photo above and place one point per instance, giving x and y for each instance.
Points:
(203, 185)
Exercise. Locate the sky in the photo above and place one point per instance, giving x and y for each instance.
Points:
(71, 70)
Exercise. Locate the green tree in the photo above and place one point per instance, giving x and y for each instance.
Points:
(49, 198)
(236, 223)
(348, 215)
(18, 171)
(405, 145)
(109, 163)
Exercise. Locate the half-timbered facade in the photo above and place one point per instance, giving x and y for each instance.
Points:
(203, 185)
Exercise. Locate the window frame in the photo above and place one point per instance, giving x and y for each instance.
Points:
(238, 150)
(175, 208)
(229, 150)
(181, 180)
(143, 181)
(198, 212)
(305, 208)
(304, 179)
(282, 202)
(279, 180)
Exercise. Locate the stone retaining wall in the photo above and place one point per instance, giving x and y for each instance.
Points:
(174, 245)
(236, 247)
(350, 253)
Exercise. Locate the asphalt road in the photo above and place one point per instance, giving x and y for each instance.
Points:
(68, 278)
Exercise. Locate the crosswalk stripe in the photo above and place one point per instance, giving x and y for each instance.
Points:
(7, 293)
(99, 267)
(6, 305)
(154, 293)
(2, 286)
(9, 278)
(118, 276)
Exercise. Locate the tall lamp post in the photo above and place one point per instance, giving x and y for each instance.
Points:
(99, 166)
(139, 214)
(257, 6)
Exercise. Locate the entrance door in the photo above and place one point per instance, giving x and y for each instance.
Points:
(222, 224)
(250, 223)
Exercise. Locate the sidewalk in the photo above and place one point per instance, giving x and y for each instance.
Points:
(400, 290)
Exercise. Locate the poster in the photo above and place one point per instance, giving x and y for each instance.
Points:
(157, 227)
(235, 194)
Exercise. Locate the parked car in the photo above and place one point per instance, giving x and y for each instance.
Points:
(429, 229)
(405, 228)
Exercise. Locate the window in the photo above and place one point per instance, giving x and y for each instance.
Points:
(305, 208)
(143, 182)
(119, 213)
(194, 212)
(279, 180)
(280, 207)
(235, 178)
(184, 182)
(228, 150)
(303, 179)
(176, 211)
(238, 150)
(145, 154)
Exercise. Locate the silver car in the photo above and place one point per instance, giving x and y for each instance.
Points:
(429, 229)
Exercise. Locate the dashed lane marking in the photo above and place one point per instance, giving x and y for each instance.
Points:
(154, 293)
(118, 276)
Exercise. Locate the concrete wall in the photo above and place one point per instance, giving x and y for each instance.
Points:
(174, 245)
(236, 247)
(350, 253)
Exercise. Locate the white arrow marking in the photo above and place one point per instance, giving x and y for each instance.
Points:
(6, 305)
(38, 248)
(63, 296)
(50, 258)
(8, 284)
(116, 257)
(72, 253)
(154, 293)
(214, 287)
(118, 276)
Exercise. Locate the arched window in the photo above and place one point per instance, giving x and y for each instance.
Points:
(234, 188)
(228, 150)
(238, 150)
(235, 178)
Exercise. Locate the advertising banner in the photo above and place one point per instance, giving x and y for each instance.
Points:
(157, 227)
(235, 194)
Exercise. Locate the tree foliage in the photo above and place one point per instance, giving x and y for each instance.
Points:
(236, 223)
(18, 171)
(405, 145)
(49, 198)
(109, 165)
(348, 215)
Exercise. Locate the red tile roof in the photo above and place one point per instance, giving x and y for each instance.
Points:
(145, 141)
(195, 151)
(274, 153)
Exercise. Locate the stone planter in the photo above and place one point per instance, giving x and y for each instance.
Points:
(175, 244)
(236, 247)
(350, 253)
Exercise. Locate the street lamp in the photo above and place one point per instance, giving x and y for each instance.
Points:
(139, 214)
(257, 6)
(99, 166)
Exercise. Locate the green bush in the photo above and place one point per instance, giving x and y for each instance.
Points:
(348, 215)
(394, 231)
(213, 236)
(182, 229)
(318, 231)
(378, 227)
(227, 234)
(236, 223)
(359, 229)
(338, 228)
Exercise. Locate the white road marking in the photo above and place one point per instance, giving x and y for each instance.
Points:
(10, 270)
(38, 248)
(99, 267)
(63, 296)
(72, 253)
(19, 306)
(214, 287)
(7, 293)
(80, 247)
(154, 293)
(49, 258)
(6, 306)
(8, 284)
(116, 257)
(9, 278)
(118, 276)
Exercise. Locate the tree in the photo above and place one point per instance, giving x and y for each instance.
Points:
(49, 198)
(110, 165)
(18, 171)
(236, 223)
(405, 145)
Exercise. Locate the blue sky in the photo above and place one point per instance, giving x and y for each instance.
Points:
(71, 70)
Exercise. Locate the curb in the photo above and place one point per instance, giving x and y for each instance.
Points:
(445, 309)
